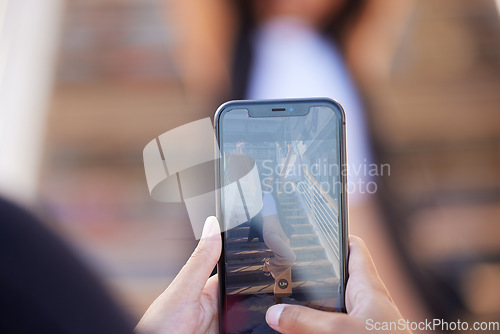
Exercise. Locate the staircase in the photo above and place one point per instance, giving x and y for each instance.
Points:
(313, 277)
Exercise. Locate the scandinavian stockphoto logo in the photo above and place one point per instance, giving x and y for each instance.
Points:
(180, 167)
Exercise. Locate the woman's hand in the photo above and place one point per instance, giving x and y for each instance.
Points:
(367, 302)
(190, 303)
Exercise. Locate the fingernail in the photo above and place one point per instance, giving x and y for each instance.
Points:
(273, 315)
(210, 227)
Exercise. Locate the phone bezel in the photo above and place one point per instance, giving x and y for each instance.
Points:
(300, 107)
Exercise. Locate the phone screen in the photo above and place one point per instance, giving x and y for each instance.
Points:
(282, 210)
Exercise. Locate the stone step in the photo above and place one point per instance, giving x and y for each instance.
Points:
(292, 209)
(297, 240)
(289, 203)
(296, 217)
(320, 286)
(255, 257)
(305, 270)
(242, 231)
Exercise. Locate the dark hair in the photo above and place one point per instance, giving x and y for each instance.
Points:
(341, 21)
(336, 27)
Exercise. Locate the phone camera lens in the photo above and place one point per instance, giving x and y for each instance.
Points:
(291, 109)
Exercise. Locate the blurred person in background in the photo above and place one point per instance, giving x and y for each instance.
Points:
(290, 49)
(282, 49)
(427, 124)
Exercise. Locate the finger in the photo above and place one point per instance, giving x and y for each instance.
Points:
(194, 275)
(209, 303)
(364, 279)
(360, 260)
(291, 319)
(212, 289)
(361, 263)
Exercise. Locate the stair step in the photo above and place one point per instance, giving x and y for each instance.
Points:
(306, 270)
(242, 231)
(328, 285)
(295, 222)
(297, 219)
(297, 240)
(254, 257)
(291, 208)
(289, 203)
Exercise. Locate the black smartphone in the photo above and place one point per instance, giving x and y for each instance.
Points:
(282, 207)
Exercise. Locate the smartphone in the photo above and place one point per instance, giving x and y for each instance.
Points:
(282, 207)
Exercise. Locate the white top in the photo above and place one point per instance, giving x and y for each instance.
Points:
(268, 205)
(293, 60)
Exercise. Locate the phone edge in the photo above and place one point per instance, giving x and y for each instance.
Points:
(344, 222)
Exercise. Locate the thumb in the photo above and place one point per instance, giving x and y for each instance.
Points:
(194, 275)
(291, 319)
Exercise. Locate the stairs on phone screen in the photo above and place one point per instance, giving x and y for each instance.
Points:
(312, 273)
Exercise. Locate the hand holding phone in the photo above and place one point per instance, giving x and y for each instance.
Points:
(189, 305)
(368, 302)
(282, 208)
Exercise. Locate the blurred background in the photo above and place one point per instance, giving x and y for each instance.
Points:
(85, 85)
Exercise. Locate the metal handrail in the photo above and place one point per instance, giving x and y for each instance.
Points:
(322, 209)
(285, 168)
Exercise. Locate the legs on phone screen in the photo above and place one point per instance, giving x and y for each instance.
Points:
(280, 266)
